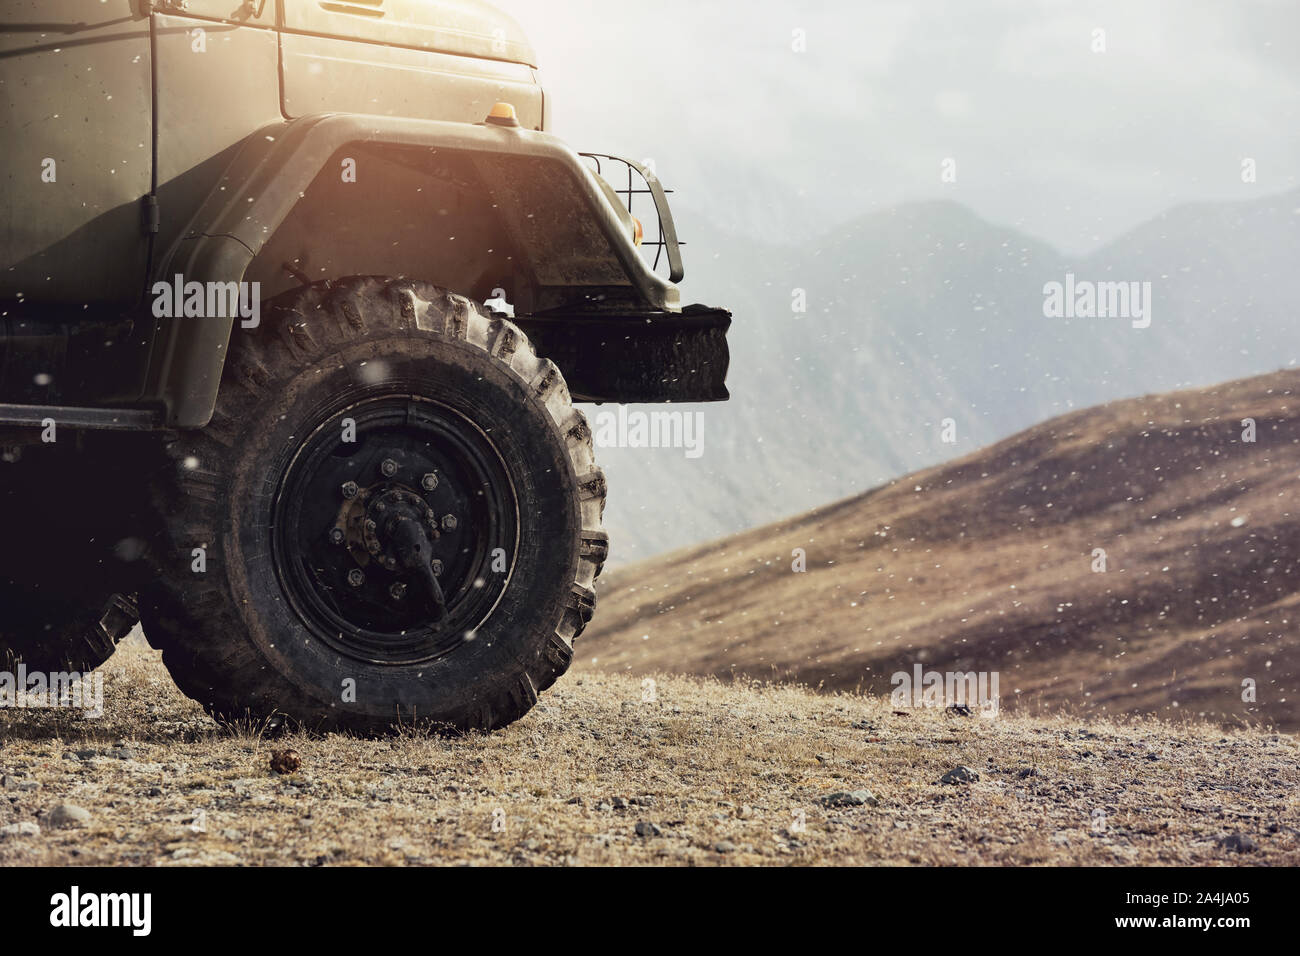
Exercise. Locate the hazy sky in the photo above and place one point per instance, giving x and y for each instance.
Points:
(1071, 145)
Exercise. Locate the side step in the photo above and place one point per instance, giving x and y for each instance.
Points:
(119, 419)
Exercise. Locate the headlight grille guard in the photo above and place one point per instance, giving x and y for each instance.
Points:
(666, 243)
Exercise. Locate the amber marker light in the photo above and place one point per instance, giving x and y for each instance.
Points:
(502, 114)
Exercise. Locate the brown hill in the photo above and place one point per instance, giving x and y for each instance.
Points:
(987, 564)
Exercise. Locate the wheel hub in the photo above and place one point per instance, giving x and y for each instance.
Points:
(390, 525)
(384, 543)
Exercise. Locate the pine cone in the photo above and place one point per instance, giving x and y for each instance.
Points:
(285, 761)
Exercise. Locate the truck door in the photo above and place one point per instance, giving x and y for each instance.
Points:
(218, 82)
(74, 77)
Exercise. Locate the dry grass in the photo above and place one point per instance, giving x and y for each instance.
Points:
(710, 764)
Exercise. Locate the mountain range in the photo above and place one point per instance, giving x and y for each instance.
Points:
(917, 334)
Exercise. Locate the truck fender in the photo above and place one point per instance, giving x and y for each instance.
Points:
(272, 172)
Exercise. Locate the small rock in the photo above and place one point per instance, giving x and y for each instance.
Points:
(724, 846)
(647, 829)
(620, 803)
(87, 754)
(68, 815)
(24, 829)
(852, 798)
(285, 761)
(1238, 843)
(1027, 772)
(122, 753)
(188, 856)
(960, 775)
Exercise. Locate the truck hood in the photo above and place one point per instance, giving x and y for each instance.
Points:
(462, 27)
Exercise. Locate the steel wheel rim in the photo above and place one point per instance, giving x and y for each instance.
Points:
(368, 622)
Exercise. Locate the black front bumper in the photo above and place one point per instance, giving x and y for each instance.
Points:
(642, 357)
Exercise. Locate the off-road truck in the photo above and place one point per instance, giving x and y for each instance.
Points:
(297, 298)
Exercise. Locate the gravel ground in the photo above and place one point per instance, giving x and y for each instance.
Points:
(702, 773)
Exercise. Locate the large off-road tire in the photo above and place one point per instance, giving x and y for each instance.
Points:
(64, 545)
(292, 571)
(56, 632)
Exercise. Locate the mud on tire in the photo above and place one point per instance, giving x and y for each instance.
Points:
(279, 590)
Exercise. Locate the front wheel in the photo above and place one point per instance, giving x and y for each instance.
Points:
(393, 518)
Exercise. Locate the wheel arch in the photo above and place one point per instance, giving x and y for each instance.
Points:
(469, 207)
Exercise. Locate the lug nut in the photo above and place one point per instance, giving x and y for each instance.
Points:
(436, 565)
(429, 481)
(349, 489)
(373, 547)
(397, 590)
(356, 578)
(336, 535)
(448, 522)
(371, 527)
(389, 467)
